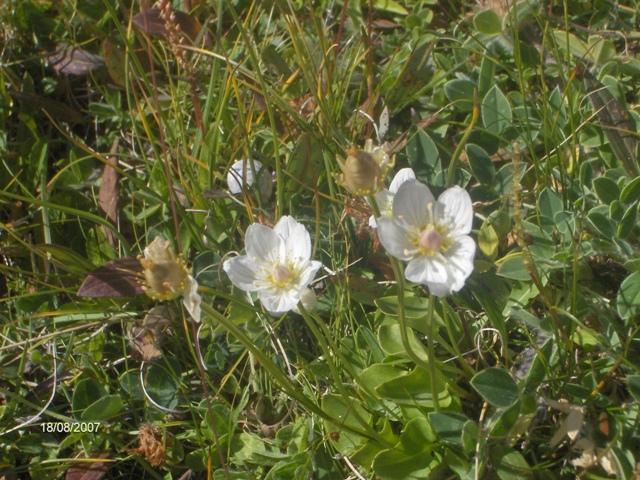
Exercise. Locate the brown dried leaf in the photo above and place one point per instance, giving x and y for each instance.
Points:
(73, 60)
(156, 25)
(146, 338)
(89, 471)
(144, 342)
(117, 278)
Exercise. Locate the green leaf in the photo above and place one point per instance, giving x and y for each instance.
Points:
(105, 408)
(549, 203)
(631, 191)
(601, 223)
(628, 300)
(306, 162)
(513, 267)
(30, 443)
(538, 370)
(423, 155)
(377, 374)
(87, 392)
(488, 241)
(628, 221)
(461, 93)
(487, 76)
(412, 457)
(496, 386)
(414, 307)
(390, 6)
(569, 42)
(606, 189)
(481, 164)
(415, 389)
(346, 411)
(496, 111)
(509, 463)
(162, 385)
(390, 339)
(633, 385)
(487, 22)
(448, 425)
(130, 383)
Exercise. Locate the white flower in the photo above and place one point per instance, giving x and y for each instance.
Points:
(276, 265)
(384, 198)
(431, 235)
(241, 177)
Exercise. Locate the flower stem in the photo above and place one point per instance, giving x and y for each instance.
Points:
(404, 329)
(451, 172)
(432, 353)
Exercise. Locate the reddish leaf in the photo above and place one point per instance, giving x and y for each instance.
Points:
(117, 278)
(156, 25)
(74, 60)
(89, 471)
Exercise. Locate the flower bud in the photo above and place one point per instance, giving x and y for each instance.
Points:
(308, 299)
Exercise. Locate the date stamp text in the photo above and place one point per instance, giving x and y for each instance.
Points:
(71, 427)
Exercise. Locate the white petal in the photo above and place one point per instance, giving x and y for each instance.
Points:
(461, 254)
(426, 270)
(243, 272)
(455, 204)
(372, 222)
(192, 299)
(264, 244)
(395, 238)
(296, 239)
(306, 274)
(402, 176)
(410, 203)
(278, 301)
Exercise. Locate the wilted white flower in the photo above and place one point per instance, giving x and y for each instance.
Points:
(277, 265)
(384, 197)
(363, 171)
(164, 272)
(166, 276)
(431, 235)
(241, 176)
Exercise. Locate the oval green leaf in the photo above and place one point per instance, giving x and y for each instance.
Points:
(496, 386)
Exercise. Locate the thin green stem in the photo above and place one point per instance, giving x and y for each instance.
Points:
(451, 172)
(432, 353)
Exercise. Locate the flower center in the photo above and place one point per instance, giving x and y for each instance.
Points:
(430, 240)
(281, 275)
